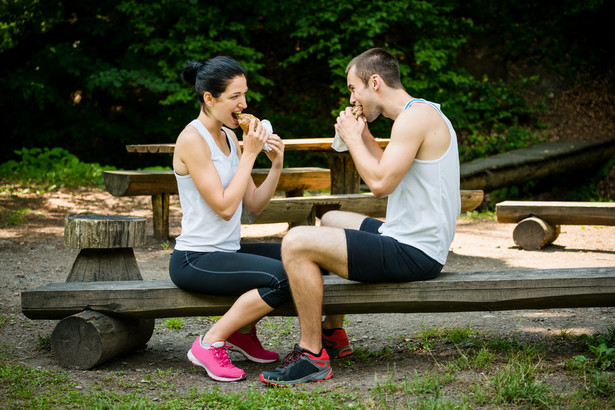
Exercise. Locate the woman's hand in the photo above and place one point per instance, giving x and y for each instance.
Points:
(255, 139)
(276, 155)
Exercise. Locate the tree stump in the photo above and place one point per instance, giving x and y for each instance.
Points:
(105, 243)
(534, 233)
(89, 338)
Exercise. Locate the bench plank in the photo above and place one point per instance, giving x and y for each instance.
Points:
(297, 210)
(450, 292)
(557, 212)
(135, 183)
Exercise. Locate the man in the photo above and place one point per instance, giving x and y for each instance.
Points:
(418, 170)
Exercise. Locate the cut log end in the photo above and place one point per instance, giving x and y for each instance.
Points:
(103, 231)
(88, 339)
(534, 233)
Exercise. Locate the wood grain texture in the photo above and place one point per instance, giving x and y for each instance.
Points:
(290, 144)
(533, 233)
(450, 292)
(298, 209)
(557, 212)
(538, 161)
(93, 265)
(103, 231)
(87, 339)
(135, 183)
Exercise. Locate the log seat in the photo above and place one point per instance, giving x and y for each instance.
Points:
(304, 210)
(538, 222)
(119, 305)
(294, 208)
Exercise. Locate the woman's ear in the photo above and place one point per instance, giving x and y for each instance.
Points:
(208, 99)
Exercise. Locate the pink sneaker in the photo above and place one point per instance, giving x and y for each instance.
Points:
(248, 345)
(215, 361)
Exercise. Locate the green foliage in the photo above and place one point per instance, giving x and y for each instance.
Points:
(97, 75)
(15, 218)
(517, 383)
(174, 323)
(51, 168)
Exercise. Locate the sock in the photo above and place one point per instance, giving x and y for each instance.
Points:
(310, 352)
(329, 332)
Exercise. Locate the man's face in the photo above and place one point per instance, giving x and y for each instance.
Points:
(361, 94)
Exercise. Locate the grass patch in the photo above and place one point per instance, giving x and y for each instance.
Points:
(478, 371)
(174, 323)
(14, 218)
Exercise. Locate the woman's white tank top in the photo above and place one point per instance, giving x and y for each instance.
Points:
(203, 230)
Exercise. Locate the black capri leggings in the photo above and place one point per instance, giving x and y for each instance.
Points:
(254, 266)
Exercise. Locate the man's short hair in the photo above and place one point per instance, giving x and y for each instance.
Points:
(376, 61)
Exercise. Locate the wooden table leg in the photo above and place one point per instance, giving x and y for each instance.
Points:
(344, 176)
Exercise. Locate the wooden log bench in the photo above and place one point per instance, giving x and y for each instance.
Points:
(304, 210)
(538, 222)
(97, 317)
(161, 184)
(294, 208)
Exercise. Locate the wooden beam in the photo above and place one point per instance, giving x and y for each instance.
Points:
(135, 183)
(298, 209)
(297, 178)
(539, 161)
(557, 212)
(450, 292)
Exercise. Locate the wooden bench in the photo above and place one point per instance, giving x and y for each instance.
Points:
(100, 320)
(304, 210)
(538, 223)
(294, 209)
(161, 184)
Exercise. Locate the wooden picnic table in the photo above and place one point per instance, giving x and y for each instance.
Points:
(344, 176)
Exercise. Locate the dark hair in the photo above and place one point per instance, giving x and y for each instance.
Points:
(376, 61)
(212, 75)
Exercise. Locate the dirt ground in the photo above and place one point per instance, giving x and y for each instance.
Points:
(33, 254)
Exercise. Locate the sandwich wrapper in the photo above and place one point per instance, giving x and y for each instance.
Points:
(267, 126)
(338, 143)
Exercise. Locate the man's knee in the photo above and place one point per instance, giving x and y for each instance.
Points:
(330, 218)
(296, 239)
(342, 219)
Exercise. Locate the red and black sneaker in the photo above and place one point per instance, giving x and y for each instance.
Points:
(335, 342)
(299, 366)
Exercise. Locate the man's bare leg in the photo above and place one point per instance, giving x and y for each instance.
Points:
(339, 219)
(304, 250)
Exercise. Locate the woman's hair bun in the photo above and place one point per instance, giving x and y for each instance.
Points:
(189, 72)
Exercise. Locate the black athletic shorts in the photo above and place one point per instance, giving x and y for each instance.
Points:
(373, 257)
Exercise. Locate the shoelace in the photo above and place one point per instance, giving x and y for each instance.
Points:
(222, 355)
(290, 358)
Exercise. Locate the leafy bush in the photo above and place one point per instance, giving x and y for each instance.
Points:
(51, 168)
(100, 75)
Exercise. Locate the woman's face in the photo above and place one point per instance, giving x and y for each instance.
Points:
(232, 100)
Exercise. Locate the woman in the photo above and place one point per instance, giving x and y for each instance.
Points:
(214, 180)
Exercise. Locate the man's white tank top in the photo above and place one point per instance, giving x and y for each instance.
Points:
(423, 209)
(203, 230)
